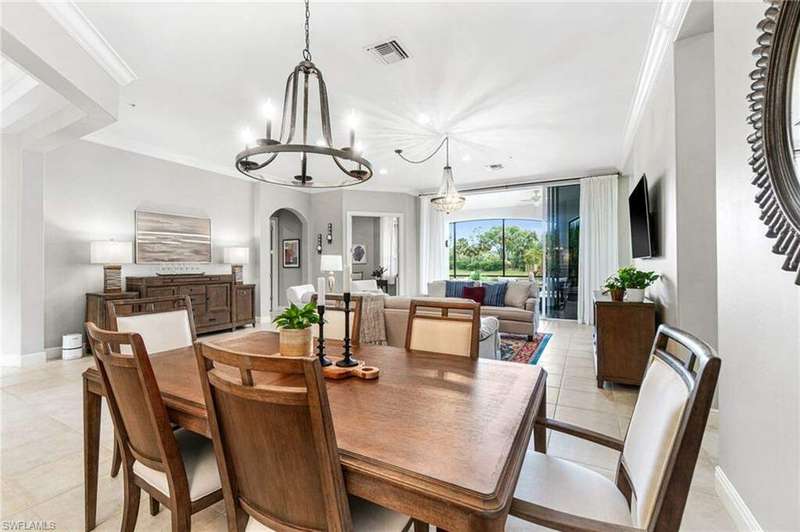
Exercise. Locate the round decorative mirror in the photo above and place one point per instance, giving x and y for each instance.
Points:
(775, 115)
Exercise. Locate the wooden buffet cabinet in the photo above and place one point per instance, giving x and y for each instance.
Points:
(217, 302)
(623, 337)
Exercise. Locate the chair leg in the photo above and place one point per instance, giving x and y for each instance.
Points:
(130, 508)
(116, 460)
(181, 519)
(154, 506)
(420, 526)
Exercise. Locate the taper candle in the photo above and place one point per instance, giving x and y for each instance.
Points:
(321, 291)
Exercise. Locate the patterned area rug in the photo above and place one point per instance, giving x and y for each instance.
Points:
(517, 348)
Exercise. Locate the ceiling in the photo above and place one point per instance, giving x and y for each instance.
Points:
(25, 101)
(542, 88)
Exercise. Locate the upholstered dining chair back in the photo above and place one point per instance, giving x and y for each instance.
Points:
(274, 440)
(164, 323)
(140, 418)
(434, 327)
(334, 318)
(666, 429)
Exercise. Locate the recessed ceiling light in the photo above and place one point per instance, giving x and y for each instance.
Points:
(383, 171)
(466, 158)
(423, 119)
(359, 147)
(322, 143)
(247, 135)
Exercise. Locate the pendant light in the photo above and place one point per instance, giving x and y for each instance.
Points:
(353, 168)
(447, 199)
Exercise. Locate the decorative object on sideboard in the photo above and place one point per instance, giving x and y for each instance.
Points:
(252, 160)
(319, 244)
(614, 286)
(294, 329)
(329, 236)
(775, 84)
(331, 264)
(172, 238)
(635, 282)
(291, 252)
(112, 255)
(237, 257)
(379, 272)
(447, 199)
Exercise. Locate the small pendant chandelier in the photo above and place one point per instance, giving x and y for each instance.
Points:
(447, 199)
(353, 168)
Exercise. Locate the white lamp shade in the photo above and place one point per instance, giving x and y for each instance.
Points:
(330, 263)
(236, 255)
(111, 252)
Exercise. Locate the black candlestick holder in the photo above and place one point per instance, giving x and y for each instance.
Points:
(348, 361)
(323, 360)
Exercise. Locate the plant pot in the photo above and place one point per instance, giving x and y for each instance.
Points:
(617, 294)
(634, 295)
(295, 342)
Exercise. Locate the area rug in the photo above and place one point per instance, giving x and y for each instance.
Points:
(517, 348)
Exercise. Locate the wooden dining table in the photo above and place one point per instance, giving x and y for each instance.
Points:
(440, 438)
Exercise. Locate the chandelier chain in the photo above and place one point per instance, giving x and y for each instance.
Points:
(307, 50)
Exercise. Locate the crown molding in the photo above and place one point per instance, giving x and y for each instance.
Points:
(664, 31)
(80, 28)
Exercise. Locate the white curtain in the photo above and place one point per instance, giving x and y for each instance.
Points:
(599, 246)
(390, 233)
(432, 244)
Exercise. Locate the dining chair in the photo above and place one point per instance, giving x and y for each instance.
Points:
(276, 447)
(658, 455)
(176, 469)
(334, 318)
(434, 328)
(163, 322)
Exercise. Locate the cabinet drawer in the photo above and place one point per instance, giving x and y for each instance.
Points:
(160, 291)
(192, 290)
(213, 317)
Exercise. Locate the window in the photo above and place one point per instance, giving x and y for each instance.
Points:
(496, 248)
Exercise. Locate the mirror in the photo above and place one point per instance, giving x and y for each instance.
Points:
(374, 243)
(775, 116)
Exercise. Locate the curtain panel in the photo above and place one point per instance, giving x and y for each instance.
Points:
(433, 244)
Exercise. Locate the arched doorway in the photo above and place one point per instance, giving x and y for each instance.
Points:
(288, 260)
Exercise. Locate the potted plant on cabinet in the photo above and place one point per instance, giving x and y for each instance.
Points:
(379, 272)
(294, 329)
(635, 281)
(615, 287)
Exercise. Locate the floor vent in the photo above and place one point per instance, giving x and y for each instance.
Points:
(388, 52)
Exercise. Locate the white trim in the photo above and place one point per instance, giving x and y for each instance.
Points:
(80, 28)
(348, 243)
(733, 502)
(663, 32)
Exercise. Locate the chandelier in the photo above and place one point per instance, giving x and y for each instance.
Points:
(447, 199)
(353, 168)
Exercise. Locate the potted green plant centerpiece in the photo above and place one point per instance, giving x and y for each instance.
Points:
(294, 327)
(635, 281)
(615, 287)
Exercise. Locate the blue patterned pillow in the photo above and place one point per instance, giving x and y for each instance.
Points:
(456, 288)
(495, 294)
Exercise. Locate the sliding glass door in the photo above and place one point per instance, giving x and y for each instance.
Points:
(559, 292)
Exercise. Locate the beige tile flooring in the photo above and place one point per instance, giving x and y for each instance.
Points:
(41, 458)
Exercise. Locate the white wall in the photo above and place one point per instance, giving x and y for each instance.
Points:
(759, 305)
(91, 193)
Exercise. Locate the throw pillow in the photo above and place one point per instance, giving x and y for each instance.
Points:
(517, 293)
(456, 288)
(495, 294)
(475, 293)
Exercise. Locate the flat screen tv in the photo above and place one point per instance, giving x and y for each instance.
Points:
(641, 226)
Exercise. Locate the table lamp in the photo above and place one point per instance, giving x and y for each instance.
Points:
(330, 264)
(111, 255)
(236, 257)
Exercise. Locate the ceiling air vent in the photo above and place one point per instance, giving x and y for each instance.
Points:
(496, 167)
(388, 52)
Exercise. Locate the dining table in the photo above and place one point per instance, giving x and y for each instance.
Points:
(440, 438)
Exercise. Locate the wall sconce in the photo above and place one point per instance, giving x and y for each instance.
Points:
(330, 233)
(319, 244)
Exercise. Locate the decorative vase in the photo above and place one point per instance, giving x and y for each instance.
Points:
(295, 342)
(634, 295)
(617, 294)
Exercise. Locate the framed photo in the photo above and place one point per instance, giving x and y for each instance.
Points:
(291, 253)
(172, 238)
(359, 254)
(358, 276)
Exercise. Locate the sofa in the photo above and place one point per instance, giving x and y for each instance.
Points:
(520, 313)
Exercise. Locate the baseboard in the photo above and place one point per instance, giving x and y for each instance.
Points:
(26, 360)
(734, 504)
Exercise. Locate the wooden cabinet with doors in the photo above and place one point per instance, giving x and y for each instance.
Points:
(244, 305)
(214, 298)
(96, 309)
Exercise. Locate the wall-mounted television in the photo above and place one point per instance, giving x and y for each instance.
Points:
(642, 241)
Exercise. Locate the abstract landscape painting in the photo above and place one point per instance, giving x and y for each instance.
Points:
(172, 238)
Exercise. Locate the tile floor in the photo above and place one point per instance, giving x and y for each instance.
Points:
(41, 458)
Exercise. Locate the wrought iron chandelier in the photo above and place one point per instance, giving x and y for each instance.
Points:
(447, 199)
(353, 168)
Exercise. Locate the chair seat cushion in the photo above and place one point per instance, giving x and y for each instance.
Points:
(570, 488)
(366, 516)
(199, 462)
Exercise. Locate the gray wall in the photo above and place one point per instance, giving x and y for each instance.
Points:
(759, 305)
(367, 231)
(288, 226)
(91, 193)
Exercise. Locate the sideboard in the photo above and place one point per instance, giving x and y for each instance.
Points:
(217, 302)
